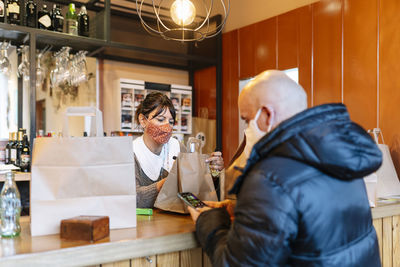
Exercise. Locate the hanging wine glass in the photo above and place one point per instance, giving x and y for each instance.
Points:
(5, 65)
(23, 68)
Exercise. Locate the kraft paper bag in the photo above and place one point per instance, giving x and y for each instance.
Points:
(189, 173)
(388, 182)
(74, 176)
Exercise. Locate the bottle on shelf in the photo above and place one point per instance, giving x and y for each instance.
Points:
(2, 10)
(8, 148)
(57, 20)
(30, 14)
(19, 148)
(10, 207)
(83, 22)
(13, 149)
(25, 156)
(71, 20)
(13, 12)
(44, 20)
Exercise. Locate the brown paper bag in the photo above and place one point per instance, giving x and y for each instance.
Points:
(188, 174)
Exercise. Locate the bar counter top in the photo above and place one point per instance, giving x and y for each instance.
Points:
(160, 233)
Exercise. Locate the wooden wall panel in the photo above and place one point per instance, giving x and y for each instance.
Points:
(305, 50)
(379, 228)
(230, 92)
(389, 79)
(246, 51)
(288, 40)
(191, 258)
(205, 90)
(265, 45)
(168, 259)
(360, 36)
(387, 242)
(327, 31)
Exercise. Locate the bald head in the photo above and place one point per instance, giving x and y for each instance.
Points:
(272, 90)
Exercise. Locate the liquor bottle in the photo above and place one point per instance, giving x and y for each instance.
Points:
(13, 149)
(2, 11)
(31, 14)
(25, 156)
(71, 20)
(44, 20)
(8, 149)
(13, 12)
(57, 19)
(10, 207)
(83, 21)
(19, 148)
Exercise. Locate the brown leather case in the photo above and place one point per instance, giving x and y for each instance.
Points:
(88, 228)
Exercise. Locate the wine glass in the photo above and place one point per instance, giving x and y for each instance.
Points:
(5, 65)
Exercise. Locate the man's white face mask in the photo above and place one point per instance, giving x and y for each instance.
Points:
(254, 134)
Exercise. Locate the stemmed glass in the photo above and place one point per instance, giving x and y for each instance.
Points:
(23, 68)
(79, 69)
(5, 65)
(40, 73)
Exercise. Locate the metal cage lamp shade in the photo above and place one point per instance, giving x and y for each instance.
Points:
(183, 20)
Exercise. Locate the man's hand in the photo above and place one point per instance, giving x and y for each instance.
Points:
(196, 212)
(228, 204)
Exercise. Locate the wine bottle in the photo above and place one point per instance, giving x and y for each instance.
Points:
(31, 14)
(13, 12)
(8, 148)
(19, 147)
(44, 20)
(83, 22)
(13, 149)
(57, 19)
(25, 157)
(2, 11)
(72, 20)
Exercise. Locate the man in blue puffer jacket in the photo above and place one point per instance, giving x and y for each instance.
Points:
(301, 200)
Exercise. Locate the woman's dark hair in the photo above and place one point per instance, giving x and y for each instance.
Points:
(155, 101)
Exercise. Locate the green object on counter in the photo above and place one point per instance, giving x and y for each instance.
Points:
(144, 211)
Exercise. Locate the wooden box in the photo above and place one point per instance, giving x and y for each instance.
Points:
(88, 228)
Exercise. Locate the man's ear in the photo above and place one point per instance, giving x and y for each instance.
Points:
(267, 118)
(142, 121)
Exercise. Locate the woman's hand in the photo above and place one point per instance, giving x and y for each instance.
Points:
(160, 184)
(216, 161)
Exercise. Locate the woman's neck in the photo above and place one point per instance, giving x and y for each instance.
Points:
(152, 145)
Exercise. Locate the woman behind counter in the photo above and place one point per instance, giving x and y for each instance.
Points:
(155, 150)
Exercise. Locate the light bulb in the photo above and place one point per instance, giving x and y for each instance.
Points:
(183, 12)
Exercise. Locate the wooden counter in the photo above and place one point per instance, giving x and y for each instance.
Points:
(163, 239)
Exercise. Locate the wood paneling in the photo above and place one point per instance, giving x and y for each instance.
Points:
(246, 51)
(168, 259)
(389, 79)
(205, 91)
(230, 92)
(396, 240)
(327, 32)
(360, 61)
(265, 45)
(378, 228)
(288, 40)
(206, 260)
(191, 258)
(126, 263)
(305, 50)
(387, 242)
(150, 261)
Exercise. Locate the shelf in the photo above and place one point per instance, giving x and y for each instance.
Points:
(19, 176)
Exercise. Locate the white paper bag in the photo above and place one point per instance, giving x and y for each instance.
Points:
(74, 176)
(371, 184)
(388, 182)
